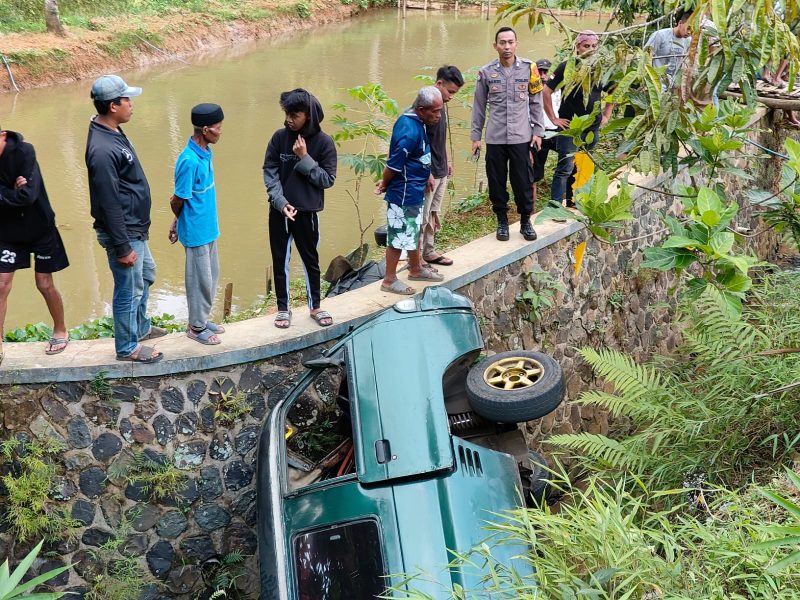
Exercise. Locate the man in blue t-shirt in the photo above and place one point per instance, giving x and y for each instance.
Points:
(405, 177)
(195, 206)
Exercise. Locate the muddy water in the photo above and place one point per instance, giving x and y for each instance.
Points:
(246, 81)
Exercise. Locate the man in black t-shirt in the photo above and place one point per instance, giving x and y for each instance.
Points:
(28, 226)
(448, 81)
(572, 104)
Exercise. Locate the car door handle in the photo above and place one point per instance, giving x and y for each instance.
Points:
(383, 452)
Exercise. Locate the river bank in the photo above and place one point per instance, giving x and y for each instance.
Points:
(112, 44)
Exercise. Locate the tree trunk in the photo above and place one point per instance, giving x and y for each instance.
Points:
(51, 18)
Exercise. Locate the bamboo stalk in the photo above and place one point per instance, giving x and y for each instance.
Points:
(226, 310)
(10, 74)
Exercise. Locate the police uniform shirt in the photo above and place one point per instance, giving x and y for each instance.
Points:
(515, 114)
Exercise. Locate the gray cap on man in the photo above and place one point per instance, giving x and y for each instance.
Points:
(543, 64)
(109, 87)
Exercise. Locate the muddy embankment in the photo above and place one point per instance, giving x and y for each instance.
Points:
(111, 45)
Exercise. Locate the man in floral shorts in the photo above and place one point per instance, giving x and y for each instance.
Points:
(407, 173)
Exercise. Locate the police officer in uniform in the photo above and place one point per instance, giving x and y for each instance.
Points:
(512, 89)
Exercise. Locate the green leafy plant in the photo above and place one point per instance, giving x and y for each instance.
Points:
(470, 203)
(704, 240)
(220, 575)
(30, 514)
(10, 586)
(615, 299)
(367, 127)
(539, 293)
(303, 9)
(159, 480)
(91, 330)
(231, 407)
(599, 212)
(119, 576)
(100, 387)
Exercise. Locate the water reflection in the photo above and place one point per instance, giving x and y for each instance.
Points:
(246, 81)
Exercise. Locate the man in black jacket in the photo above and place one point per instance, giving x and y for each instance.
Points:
(28, 226)
(120, 204)
(299, 165)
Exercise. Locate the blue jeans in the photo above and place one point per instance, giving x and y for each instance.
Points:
(566, 163)
(131, 290)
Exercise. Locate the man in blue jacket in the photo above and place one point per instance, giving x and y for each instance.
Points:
(28, 226)
(120, 204)
(405, 178)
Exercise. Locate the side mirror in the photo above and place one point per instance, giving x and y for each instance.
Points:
(325, 362)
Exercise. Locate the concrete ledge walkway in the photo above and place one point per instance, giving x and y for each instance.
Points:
(258, 339)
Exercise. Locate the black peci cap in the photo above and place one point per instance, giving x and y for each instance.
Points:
(207, 114)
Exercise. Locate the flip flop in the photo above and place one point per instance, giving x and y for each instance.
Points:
(426, 275)
(321, 316)
(283, 315)
(398, 287)
(214, 327)
(204, 336)
(144, 355)
(155, 332)
(439, 260)
(54, 341)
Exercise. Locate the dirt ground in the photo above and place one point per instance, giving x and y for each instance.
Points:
(117, 44)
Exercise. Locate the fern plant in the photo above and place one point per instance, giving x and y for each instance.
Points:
(732, 386)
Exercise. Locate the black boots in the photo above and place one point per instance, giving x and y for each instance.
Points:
(502, 227)
(526, 228)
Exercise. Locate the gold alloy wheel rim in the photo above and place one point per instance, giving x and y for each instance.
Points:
(513, 373)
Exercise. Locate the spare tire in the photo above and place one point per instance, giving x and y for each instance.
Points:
(514, 387)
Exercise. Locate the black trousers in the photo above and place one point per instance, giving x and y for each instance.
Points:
(503, 160)
(304, 230)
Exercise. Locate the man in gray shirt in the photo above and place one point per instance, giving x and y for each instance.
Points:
(669, 46)
(512, 88)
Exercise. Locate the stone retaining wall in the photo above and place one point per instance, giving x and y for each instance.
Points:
(109, 432)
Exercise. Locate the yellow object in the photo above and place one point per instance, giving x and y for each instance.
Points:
(580, 249)
(289, 432)
(585, 167)
(535, 84)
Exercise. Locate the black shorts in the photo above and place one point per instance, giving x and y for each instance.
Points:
(48, 251)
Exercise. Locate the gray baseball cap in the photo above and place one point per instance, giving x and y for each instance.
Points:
(108, 87)
(544, 64)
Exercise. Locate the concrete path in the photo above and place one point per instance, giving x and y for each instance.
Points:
(257, 339)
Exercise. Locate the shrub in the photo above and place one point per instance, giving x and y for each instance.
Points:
(29, 511)
(303, 9)
(721, 406)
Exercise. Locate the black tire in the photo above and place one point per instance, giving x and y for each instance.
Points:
(536, 486)
(524, 389)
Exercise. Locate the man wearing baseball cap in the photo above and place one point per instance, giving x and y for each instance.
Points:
(120, 205)
(194, 204)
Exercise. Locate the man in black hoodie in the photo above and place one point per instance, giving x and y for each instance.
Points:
(300, 163)
(120, 203)
(28, 226)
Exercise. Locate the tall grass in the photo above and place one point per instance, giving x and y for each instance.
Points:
(701, 499)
